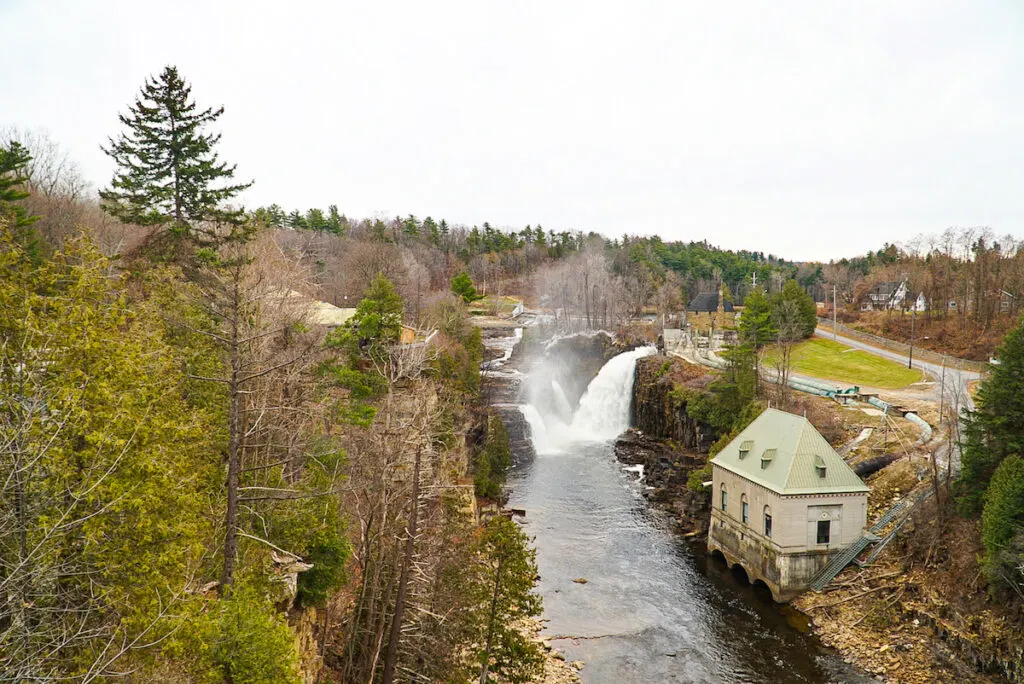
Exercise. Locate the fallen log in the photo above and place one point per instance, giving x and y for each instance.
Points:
(855, 596)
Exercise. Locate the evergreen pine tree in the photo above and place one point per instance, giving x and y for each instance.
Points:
(808, 310)
(167, 168)
(755, 325)
(995, 429)
(315, 219)
(295, 220)
(1002, 523)
(430, 228)
(376, 325)
(411, 226)
(462, 285)
(506, 593)
(13, 160)
(335, 220)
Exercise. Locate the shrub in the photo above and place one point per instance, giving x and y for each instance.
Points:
(255, 645)
(697, 478)
(328, 552)
(493, 461)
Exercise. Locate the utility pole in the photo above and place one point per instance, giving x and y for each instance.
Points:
(913, 319)
(834, 319)
(942, 388)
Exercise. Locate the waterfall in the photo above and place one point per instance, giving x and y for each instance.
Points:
(603, 412)
(538, 430)
(604, 408)
(507, 345)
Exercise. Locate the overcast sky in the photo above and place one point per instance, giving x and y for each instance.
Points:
(810, 130)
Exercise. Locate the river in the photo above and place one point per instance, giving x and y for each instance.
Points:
(652, 609)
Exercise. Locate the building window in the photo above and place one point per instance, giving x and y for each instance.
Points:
(768, 525)
(725, 499)
(744, 509)
(824, 531)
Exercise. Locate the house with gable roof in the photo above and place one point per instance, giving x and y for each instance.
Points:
(784, 503)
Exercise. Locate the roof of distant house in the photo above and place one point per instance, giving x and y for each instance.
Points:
(887, 287)
(320, 313)
(330, 315)
(786, 454)
(707, 302)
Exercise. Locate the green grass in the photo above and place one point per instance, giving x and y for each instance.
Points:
(828, 360)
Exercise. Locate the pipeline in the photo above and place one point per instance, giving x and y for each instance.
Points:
(926, 429)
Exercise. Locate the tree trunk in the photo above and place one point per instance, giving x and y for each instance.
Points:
(490, 622)
(234, 450)
(391, 656)
(586, 295)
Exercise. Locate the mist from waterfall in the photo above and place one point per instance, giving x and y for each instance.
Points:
(562, 404)
(603, 412)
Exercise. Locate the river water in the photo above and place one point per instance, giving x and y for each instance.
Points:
(652, 608)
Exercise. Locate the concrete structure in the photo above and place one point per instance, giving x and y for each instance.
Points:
(784, 502)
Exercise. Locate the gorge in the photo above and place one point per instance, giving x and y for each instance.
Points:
(623, 592)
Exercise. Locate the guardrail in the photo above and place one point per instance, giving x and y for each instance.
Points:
(892, 345)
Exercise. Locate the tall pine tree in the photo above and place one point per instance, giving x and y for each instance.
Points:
(13, 161)
(168, 172)
(995, 429)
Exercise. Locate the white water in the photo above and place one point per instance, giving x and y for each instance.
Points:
(538, 430)
(506, 344)
(603, 413)
(604, 408)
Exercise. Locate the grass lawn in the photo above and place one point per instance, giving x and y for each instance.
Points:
(828, 360)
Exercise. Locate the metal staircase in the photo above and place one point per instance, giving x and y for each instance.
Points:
(889, 516)
(841, 560)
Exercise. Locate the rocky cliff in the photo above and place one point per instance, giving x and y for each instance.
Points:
(666, 440)
(659, 403)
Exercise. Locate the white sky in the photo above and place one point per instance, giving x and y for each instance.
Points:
(810, 130)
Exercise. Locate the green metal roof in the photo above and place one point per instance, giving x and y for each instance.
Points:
(795, 458)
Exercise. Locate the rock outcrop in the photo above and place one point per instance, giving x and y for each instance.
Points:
(659, 401)
(667, 442)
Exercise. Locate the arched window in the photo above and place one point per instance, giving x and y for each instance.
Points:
(768, 521)
(725, 498)
(744, 509)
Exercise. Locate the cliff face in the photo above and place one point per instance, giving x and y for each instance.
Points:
(666, 441)
(660, 413)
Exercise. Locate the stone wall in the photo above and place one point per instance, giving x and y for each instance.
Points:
(786, 574)
(704, 321)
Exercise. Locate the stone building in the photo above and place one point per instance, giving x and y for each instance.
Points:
(710, 311)
(784, 502)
